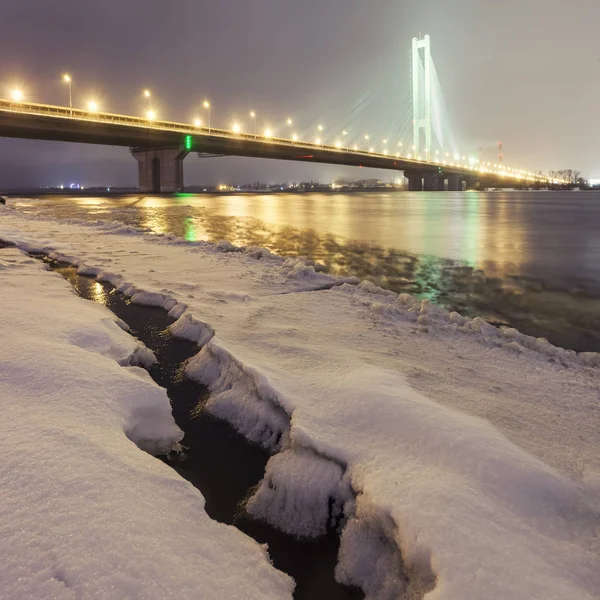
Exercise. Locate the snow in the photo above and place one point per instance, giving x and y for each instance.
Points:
(301, 493)
(85, 513)
(473, 452)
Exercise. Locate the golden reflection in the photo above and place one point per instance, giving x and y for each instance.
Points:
(98, 293)
(154, 220)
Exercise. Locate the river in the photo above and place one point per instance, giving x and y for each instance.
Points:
(525, 259)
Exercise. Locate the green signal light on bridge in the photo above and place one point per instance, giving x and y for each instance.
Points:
(188, 142)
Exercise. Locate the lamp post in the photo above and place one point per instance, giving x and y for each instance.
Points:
(17, 95)
(67, 79)
(253, 117)
(206, 105)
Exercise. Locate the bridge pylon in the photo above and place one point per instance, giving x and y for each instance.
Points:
(422, 90)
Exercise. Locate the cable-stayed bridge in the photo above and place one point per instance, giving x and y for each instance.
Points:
(430, 163)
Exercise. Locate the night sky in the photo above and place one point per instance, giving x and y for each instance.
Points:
(526, 72)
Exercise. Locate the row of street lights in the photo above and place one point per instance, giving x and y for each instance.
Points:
(93, 107)
(236, 128)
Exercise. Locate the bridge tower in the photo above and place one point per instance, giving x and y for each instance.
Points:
(422, 89)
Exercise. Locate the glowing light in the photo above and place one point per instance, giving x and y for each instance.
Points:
(17, 95)
(338, 144)
(268, 132)
(151, 115)
(290, 122)
(318, 141)
(400, 144)
(188, 142)
(92, 106)
(236, 128)
(385, 141)
(367, 137)
(253, 114)
(294, 137)
(67, 78)
(206, 104)
(147, 93)
(320, 127)
(371, 149)
(385, 151)
(344, 133)
(355, 147)
(197, 122)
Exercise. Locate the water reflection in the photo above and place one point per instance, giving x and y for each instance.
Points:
(527, 260)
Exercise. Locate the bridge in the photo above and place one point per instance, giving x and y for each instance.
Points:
(161, 146)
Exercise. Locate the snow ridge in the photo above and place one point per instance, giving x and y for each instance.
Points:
(390, 307)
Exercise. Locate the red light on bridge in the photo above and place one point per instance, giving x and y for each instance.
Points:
(306, 157)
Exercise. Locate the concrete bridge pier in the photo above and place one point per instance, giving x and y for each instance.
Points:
(455, 182)
(415, 181)
(426, 181)
(160, 171)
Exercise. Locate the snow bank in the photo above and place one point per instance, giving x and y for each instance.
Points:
(473, 450)
(84, 512)
(240, 395)
(404, 307)
(302, 494)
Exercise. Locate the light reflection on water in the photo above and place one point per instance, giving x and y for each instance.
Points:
(531, 260)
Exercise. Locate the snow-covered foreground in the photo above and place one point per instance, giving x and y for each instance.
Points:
(84, 512)
(464, 460)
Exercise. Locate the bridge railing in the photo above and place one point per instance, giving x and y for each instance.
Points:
(77, 114)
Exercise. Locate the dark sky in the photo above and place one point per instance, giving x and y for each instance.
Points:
(526, 72)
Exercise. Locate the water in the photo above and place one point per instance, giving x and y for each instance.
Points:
(525, 259)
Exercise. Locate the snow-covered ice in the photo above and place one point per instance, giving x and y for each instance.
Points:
(473, 452)
(84, 512)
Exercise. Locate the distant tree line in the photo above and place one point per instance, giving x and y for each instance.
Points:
(569, 175)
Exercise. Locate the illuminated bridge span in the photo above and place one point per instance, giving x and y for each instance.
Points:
(161, 146)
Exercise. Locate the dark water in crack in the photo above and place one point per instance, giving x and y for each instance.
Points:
(220, 462)
(530, 260)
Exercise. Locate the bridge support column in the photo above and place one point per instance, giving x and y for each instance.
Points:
(415, 180)
(455, 183)
(160, 170)
(430, 182)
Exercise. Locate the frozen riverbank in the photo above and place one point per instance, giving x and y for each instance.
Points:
(86, 513)
(474, 452)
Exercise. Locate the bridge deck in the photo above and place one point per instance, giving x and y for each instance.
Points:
(47, 122)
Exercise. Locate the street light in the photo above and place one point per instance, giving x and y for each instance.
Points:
(92, 106)
(268, 132)
(290, 122)
(17, 95)
(197, 122)
(320, 127)
(67, 79)
(148, 95)
(151, 115)
(253, 116)
(206, 105)
(236, 128)
(294, 137)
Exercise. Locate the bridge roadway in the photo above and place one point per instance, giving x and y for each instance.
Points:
(160, 147)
